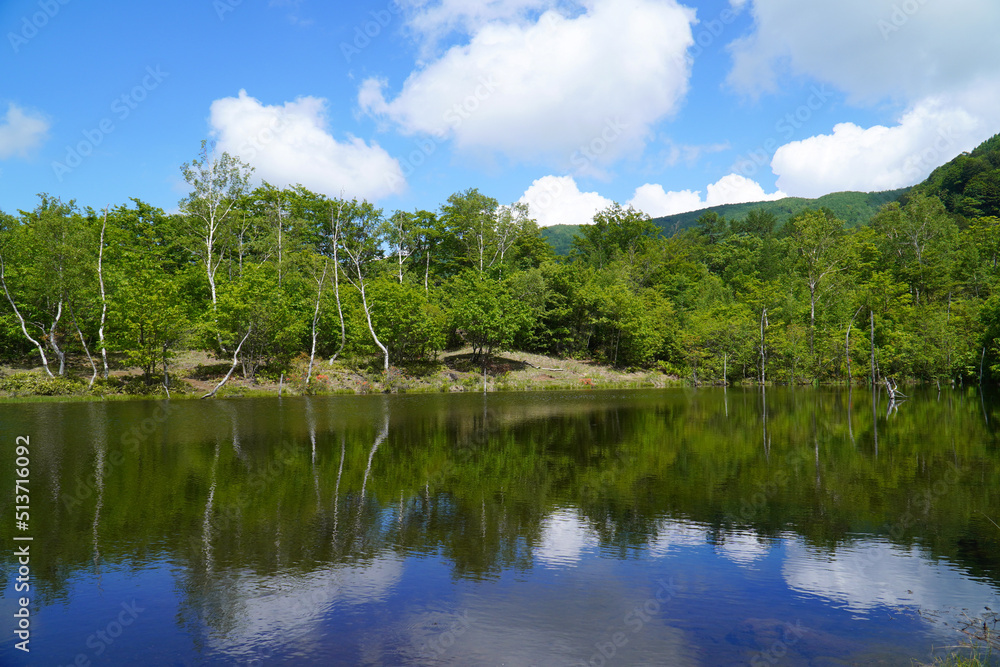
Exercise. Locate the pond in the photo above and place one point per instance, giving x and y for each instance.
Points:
(666, 527)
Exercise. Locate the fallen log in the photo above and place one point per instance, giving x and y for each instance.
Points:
(543, 368)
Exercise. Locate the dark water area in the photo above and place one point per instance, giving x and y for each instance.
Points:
(661, 527)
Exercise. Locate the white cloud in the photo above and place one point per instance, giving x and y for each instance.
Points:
(742, 548)
(564, 539)
(935, 60)
(294, 605)
(870, 574)
(432, 21)
(556, 200)
(21, 132)
(291, 144)
(737, 189)
(578, 93)
(653, 200)
(671, 534)
(879, 157)
(871, 50)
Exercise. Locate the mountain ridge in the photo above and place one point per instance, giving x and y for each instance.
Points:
(853, 207)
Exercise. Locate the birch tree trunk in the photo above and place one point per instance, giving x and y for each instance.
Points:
(20, 318)
(236, 357)
(336, 280)
(315, 322)
(86, 350)
(104, 299)
(871, 314)
(54, 344)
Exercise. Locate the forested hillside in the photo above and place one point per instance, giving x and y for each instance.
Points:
(969, 185)
(264, 276)
(854, 208)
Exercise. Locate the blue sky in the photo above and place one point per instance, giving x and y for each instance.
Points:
(667, 105)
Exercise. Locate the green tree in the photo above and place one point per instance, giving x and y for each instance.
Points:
(818, 252)
(616, 232)
(255, 303)
(410, 325)
(479, 232)
(48, 273)
(219, 185)
(485, 313)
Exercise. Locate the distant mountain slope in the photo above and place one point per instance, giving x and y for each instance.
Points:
(969, 185)
(852, 207)
(560, 237)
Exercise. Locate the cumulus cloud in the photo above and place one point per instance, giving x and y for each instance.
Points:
(871, 50)
(878, 157)
(933, 60)
(557, 200)
(653, 200)
(432, 21)
(21, 132)
(737, 189)
(578, 92)
(291, 143)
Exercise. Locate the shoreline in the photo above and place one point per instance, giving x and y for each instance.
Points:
(195, 373)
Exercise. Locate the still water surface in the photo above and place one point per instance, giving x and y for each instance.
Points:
(670, 527)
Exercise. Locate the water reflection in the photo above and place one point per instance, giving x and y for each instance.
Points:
(875, 573)
(454, 530)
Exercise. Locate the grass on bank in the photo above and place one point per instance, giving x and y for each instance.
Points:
(195, 373)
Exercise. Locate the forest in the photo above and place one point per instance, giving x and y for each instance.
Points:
(265, 278)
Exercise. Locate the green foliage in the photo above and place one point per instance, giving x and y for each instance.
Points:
(969, 185)
(256, 309)
(855, 208)
(32, 384)
(150, 319)
(616, 232)
(486, 314)
(413, 328)
(789, 291)
(561, 237)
